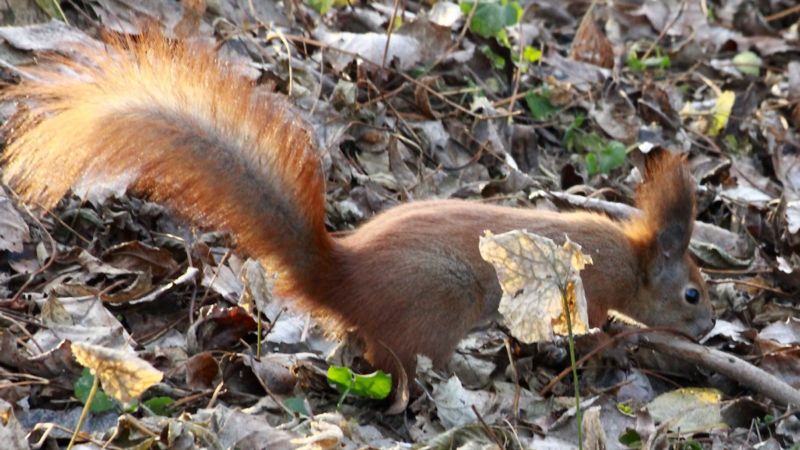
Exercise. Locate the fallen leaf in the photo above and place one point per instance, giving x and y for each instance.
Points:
(123, 375)
(535, 273)
(689, 410)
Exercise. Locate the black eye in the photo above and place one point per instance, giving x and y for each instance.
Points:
(691, 295)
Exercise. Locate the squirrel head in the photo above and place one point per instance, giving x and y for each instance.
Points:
(671, 291)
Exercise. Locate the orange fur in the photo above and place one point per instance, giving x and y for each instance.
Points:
(190, 129)
(666, 199)
(193, 135)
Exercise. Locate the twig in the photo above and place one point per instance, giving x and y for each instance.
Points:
(614, 340)
(50, 260)
(515, 374)
(665, 30)
(389, 33)
(210, 285)
(781, 14)
(729, 365)
(487, 428)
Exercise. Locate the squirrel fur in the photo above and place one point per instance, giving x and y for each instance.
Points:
(194, 135)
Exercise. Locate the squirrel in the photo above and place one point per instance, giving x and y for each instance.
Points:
(193, 134)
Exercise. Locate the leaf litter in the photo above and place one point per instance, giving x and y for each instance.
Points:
(545, 104)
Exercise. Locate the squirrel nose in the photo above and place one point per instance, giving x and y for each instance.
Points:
(709, 327)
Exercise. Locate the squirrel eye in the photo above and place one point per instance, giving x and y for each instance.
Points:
(691, 295)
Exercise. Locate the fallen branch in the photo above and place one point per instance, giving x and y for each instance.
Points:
(732, 367)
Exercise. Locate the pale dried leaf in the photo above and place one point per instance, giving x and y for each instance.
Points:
(13, 230)
(534, 273)
(123, 375)
(689, 410)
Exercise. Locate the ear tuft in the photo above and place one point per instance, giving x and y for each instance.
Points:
(667, 202)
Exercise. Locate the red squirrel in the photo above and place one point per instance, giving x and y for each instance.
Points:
(191, 133)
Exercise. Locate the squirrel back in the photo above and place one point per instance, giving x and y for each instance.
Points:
(191, 133)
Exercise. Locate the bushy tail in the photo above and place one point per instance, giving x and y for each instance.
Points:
(187, 131)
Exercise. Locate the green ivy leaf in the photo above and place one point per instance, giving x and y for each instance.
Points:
(498, 62)
(607, 159)
(512, 12)
(101, 403)
(159, 405)
(376, 385)
(539, 105)
(634, 63)
(657, 62)
(748, 63)
(321, 6)
(692, 445)
(573, 131)
(489, 19)
(630, 439)
(626, 409)
(531, 54)
(297, 405)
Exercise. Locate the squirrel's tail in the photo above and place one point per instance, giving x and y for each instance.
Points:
(182, 128)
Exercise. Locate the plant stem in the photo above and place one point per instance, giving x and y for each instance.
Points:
(571, 341)
(85, 412)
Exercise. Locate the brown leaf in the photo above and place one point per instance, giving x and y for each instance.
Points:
(591, 45)
(201, 370)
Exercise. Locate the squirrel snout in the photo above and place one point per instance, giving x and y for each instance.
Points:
(710, 326)
(701, 322)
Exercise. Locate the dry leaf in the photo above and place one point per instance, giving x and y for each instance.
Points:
(689, 409)
(722, 111)
(13, 229)
(123, 375)
(534, 273)
(591, 45)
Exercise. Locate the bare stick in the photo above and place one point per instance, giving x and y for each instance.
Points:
(730, 366)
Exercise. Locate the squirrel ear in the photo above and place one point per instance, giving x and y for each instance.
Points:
(673, 240)
(666, 199)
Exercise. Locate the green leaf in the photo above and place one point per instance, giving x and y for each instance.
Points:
(634, 63)
(376, 385)
(498, 62)
(748, 63)
(692, 445)
(51, 8)
(653, 62)
(657, 62)
(297, 405)
(512, 13)
(589, 142)
(626, 409)
(130, 407)
(573, 131)
(607, 159)
(159, 405)
(489, 19)
(630, 439)
(531, 54)
(592, 165)
(539, 105)
(101, 403)
(321, 6)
